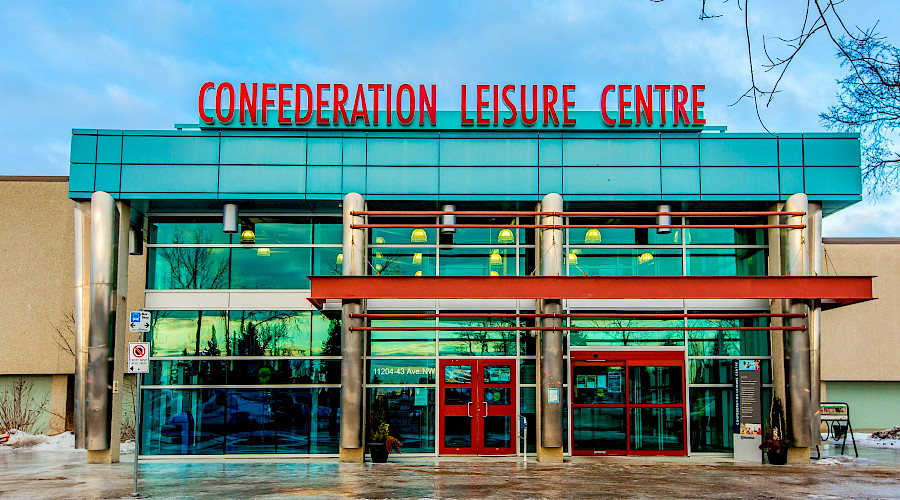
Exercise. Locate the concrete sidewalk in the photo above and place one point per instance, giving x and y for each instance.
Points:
(64, 475)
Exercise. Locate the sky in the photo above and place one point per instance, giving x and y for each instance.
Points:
(139, 64)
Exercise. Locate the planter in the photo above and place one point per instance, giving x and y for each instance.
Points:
(378, 452)
(777, 457)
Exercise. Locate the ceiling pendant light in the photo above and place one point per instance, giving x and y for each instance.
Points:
(592, 236)
(645, 258)
(418, 236)
(506, 236)
(573, 259)
(340, 259)
(417, 258)
(248, 236)
(496, 259)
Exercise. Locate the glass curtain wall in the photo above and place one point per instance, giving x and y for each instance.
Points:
(242, 382)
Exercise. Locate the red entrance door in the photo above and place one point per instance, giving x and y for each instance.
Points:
(477, 406)
(628, 403)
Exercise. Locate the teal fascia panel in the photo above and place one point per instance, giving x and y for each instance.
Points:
(791, 179)
(323, 178)
(354, 180)
(109, 149)
(324, 196)
(550, 152)
(739, 180)
(832, 180)
(680, 181)
(496, 181)
(108, 177)
(625, 152)
(489, 152)
(401, 180)
(550, 179)
(403, 152)
(354, 151)
(81, 177)
(611, 180)
(756, 152)
(283, 150)
(262, 179)
(170, 178)
(224, 196)
(488, 197)
(790, 152)
(142, 195)
(182, 150)
(831, 152)
(83, 149)
(740, 197)
(324, 151)
(680, 152)
(613, 197)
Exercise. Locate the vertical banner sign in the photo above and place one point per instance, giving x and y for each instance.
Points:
(747, 409)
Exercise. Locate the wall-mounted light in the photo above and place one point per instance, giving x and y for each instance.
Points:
(230, 218)
(664, 219)
(592, 236)
(496, 259)
(645, 258)
(506, 236)
(418, 236)
(248, 236)
(417, 258)
(263, 252)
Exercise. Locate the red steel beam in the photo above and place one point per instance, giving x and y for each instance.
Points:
(573, 328)
(830, 290)
(580, 226)
(514, 213)
(577, 315)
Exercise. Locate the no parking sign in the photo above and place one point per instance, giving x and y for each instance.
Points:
(138, 357)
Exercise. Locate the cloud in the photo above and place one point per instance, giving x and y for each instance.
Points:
(865, 219)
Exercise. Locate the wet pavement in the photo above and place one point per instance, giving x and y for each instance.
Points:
(64, 475)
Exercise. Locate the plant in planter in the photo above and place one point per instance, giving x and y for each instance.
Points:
(775, 441)
(381, 443)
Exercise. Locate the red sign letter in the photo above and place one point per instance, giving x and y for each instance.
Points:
(203, 88)
(606, 119)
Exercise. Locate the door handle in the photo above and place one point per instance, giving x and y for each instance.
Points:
(468, 405)
(485, 409)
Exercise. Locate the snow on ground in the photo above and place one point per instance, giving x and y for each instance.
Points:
(39, 442)
(844, 460)
(869, 440)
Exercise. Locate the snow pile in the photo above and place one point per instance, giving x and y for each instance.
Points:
(39, 442)
(844, 460)
(126, 447)
(892, 433)
(888, 438)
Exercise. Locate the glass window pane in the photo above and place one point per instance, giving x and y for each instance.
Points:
(188, 333)
(726, 262)
(185, 372)
(719, 371)
(400, 235)
(269, 268)
(326, 335)
(328, 231)
(594, 261)
(188, 268)
(485, 342)
(527, 371)
(402, 261)
(598, 429)
(187, 231)
(626, 332)
(599, 385)
(606, 232)
(269, 333)
(712, 418)
(497, 432)
(410, 414)
(655, 385)
(462, 261)
(401, 371)
(283, 371)
(657, 429)
(496, 396)
(457, 396)
(725, 236)
(724, 342)
(279, 230)
(328, 261)
(401, 342)
(527, 405)
(485, 236)
(183, 422)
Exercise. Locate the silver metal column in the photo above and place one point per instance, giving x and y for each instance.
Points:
(552, 255)
(797, 375)
(81, 312)
(101, 334)
(776, 306)
(354, 264)
(815, 324)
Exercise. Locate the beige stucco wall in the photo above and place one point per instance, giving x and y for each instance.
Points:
(861, 342)
(37, 275)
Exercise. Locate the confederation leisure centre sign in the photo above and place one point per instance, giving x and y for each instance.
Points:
(378, 105)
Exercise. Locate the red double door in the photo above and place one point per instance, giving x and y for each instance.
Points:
(477, 406)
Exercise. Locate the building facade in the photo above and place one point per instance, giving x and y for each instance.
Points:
(307, 284)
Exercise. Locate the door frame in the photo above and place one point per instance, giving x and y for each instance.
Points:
(478, 407)
(629, 358)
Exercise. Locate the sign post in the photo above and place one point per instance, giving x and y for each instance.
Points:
(747, 410)
(138, 363)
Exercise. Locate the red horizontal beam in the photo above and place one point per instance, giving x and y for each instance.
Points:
(579, 226)
(576, 315)
(828, 289)
(571, 328)
(515, 213)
